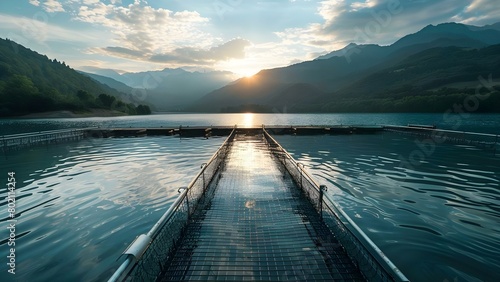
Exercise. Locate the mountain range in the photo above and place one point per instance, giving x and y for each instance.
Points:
(431, 70)
(441, 62)
(167, 89)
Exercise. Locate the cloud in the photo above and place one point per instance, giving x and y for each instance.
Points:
(145, 33)
(91, 2)
(480, 12)
(143, 28)
(149, 34)
(384, 21)
(34, 2)
(362, 5)
(24, 30)
(123, 52)
(234, 49)
(53, 6)
(182, 56)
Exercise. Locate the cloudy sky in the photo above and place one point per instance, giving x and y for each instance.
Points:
(242, 36)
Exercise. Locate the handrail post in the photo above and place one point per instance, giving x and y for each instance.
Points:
(203, 165)
(300, 166)
(322, 189)
(180, 190)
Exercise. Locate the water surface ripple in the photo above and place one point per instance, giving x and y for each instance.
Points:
(80, 204)
(438, 219)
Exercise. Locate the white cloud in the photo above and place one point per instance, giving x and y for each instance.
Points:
(23, 30)
(143, 28)
(35, 2)
(182, 56)
(90, 2)
(53, 6)
(480, 12)
(363, 5)
(234, 49)
(383, 21)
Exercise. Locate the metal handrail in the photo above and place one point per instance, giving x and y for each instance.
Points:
(439, 130)
(357, 233)
(158, 225)
(20, 140)
(137, 248)
(46, 132)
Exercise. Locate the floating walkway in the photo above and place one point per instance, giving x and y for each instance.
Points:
(207, 131)
(24, 140)
(257, 226)
(254, 214)
(437, 136)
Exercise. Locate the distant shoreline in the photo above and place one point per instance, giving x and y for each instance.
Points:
(109, 113)
(70, 114)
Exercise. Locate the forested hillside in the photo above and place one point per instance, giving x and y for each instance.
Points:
(31, 82)
(430, 81)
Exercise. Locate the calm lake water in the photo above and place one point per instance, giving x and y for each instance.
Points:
(437, 221)
(472, 122)
(80, 204)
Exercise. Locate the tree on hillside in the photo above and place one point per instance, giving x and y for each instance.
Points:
(19, 86)
(106, 100)
(143, 110)
(20, 94)
(31, 82)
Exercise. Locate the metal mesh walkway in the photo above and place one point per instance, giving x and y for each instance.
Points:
(258, 226)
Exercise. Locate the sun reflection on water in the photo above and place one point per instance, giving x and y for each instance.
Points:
(248, 120)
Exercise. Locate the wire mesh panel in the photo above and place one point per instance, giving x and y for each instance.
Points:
(23, 140)
(258, 226)
(481, 140)
(374, 265)
(148, 263)
(161, 247)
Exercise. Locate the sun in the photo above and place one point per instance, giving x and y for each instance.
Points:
(243, 67)
(244, 72)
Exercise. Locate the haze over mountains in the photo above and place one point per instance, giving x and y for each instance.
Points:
(167, 89)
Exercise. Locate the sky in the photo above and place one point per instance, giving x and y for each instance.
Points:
(234, 35)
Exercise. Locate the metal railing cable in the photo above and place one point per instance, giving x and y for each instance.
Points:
(148, 254)
(22, 140)
(372, 262)
(437, 136)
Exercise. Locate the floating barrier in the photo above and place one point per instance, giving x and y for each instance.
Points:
(24, 140)
(481, 140)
